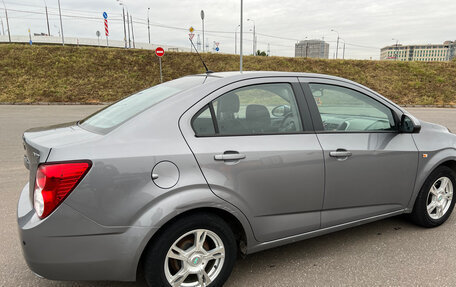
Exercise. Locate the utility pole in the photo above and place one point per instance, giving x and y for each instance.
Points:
(47, 18)
(337, 46)
(3, 28)
(61, 25)
(396, 50)
(343, 55)
(202, 21)
(132, 32)
(269, 50)
(128, 25)
(235, 39)
(240, 39)
(148, 23)
(323, 47)
(254, 37)
(7, 22)
(125, 29)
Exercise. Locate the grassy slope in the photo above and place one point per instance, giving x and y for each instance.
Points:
(91, 75)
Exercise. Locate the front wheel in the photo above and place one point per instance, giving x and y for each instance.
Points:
(198, 250)
(435, 203)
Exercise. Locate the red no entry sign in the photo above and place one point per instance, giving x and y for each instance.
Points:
(159, 52)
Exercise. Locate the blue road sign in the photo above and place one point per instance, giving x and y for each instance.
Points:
(30, 42)
(105, 15)
(217, 49)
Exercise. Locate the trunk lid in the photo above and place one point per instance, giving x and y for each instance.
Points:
(38, 143)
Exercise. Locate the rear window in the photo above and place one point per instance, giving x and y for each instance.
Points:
(114, 115)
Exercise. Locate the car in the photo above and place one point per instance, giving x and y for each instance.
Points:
(176, 181)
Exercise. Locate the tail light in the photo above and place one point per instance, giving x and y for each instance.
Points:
(54, 182)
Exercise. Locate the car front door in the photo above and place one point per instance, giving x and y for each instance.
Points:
(254, 143)
(370, 167)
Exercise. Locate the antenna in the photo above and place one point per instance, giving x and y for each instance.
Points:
(204, 64)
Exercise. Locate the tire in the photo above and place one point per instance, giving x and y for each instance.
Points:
(427, 199)
(187, 255)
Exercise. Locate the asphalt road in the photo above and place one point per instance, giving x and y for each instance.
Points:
(390, 252)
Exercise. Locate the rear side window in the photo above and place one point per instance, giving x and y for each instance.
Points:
(252, 110)
(123, 110)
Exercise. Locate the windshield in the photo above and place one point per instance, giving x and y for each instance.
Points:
(114, 115)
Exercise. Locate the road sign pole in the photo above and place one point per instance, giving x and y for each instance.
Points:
(161, 75)
(105, 16)
(159, 52)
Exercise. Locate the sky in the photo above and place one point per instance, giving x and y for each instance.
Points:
(365, 26)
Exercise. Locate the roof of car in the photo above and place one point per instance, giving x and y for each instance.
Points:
(236, 75)
(256, 74)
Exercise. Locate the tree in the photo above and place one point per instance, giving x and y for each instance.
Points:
(261, 53)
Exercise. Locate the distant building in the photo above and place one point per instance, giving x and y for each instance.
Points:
(427, 53)
(312, 49)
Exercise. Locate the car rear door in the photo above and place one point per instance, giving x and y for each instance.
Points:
(268, 165)
(370, 167)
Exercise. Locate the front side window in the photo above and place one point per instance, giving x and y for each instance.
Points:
(346, 110)
(252, 110)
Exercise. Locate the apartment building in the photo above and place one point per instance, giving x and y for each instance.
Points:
(427, 53)
(312, 49)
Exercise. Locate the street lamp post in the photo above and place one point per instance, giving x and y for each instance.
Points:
(128, 23)
(240, 37)
(254, 37)
(61, 25)
(123, 18)
(337, 45)
(7, 22)
(148, 23)
(202, 21)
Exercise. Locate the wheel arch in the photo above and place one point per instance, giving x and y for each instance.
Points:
(235, 224)
(445, 157)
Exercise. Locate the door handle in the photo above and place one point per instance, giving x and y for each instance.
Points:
(229, 156)
(340, 153)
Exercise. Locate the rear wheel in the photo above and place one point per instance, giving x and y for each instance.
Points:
(198, 250)
(435, 203)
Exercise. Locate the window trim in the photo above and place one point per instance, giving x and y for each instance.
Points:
(315, 113)
(300, 99)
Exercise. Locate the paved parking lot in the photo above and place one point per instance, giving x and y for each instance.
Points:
(385, 253)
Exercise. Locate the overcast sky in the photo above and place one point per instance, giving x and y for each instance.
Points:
(366, 26)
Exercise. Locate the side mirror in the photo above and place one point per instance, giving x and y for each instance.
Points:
(409, 124)
(280, 111)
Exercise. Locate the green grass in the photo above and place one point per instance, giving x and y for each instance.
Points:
(31, 74)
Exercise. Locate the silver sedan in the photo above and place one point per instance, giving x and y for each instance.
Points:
(182, 177)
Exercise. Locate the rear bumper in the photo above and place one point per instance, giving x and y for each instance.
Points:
(69, 246)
